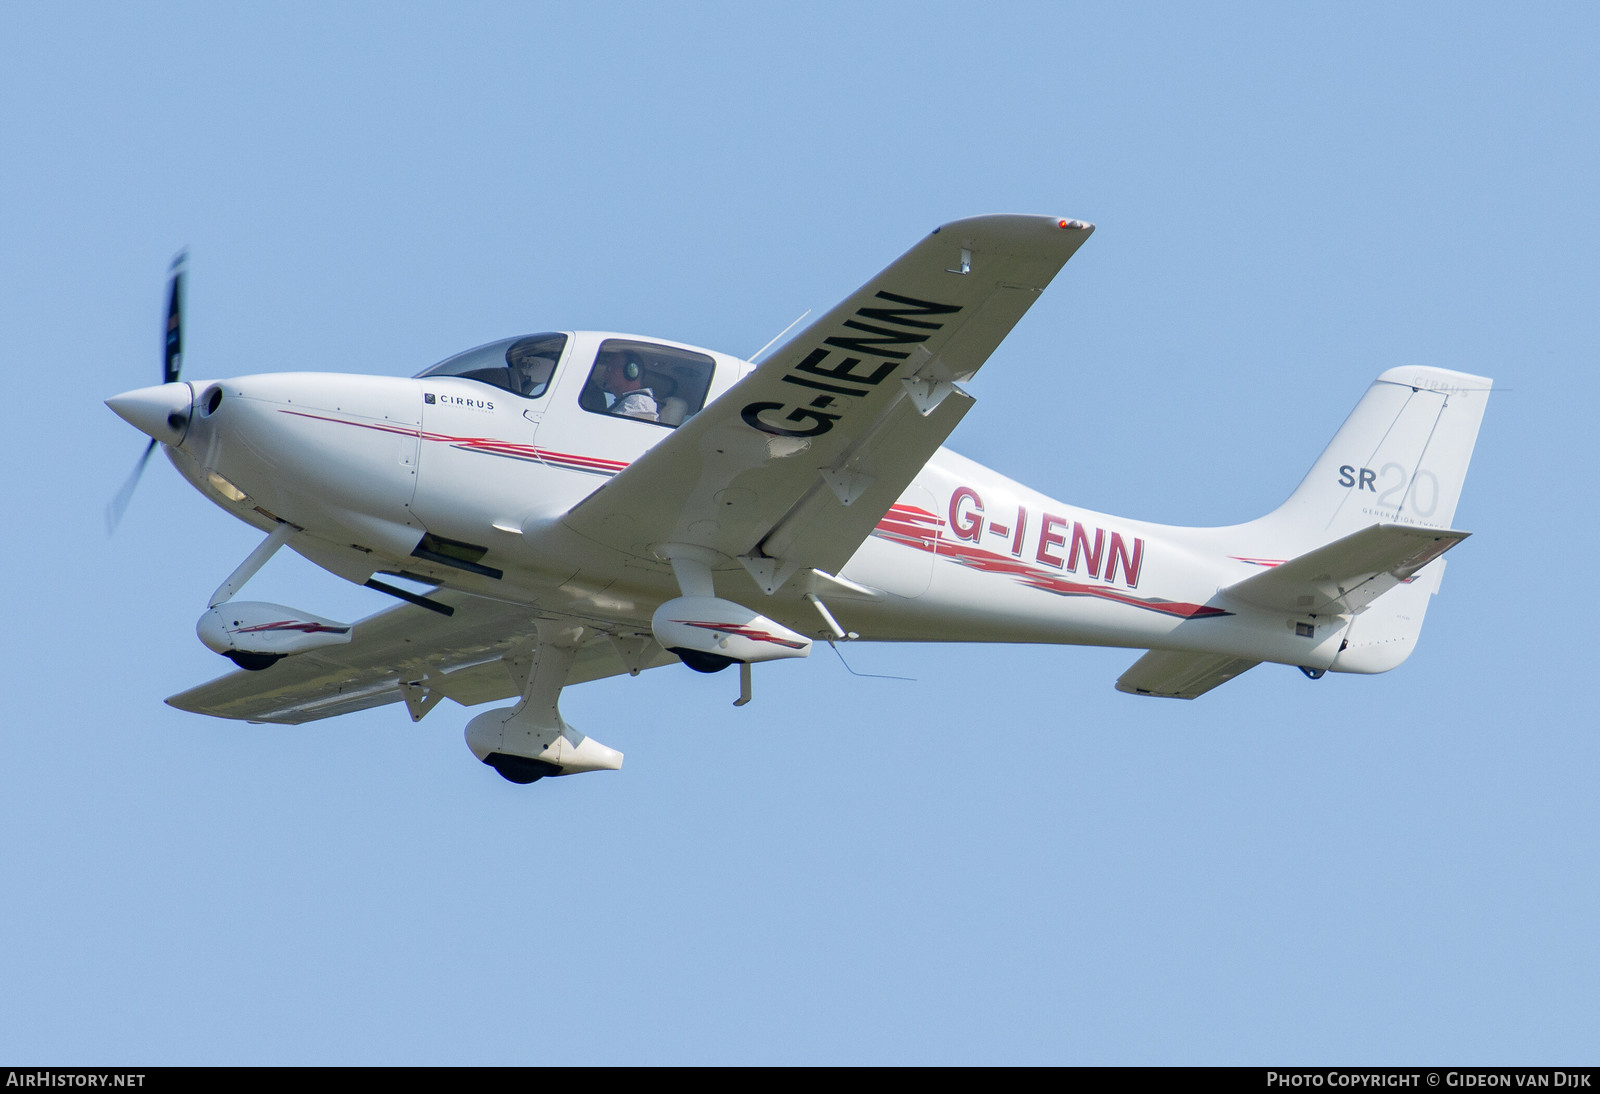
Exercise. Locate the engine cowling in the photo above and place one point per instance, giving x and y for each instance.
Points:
(709, 633)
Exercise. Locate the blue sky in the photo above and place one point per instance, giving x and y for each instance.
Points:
(1002, 861)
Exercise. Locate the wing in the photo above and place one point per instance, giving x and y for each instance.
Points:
(795, 465)
(405, 653)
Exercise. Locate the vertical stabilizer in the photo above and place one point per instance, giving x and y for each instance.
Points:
(1400, 458)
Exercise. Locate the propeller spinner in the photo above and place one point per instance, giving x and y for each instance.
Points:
(162, 411)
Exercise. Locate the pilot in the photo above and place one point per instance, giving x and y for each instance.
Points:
(622, 377)
(530, 374)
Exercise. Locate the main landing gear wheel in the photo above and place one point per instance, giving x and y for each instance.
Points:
(253, 662)
(702, 662)
(521, 770)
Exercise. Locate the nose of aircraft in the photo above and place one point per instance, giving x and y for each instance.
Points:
(162, 411)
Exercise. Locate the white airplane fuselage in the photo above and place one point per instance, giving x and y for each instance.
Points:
(367, 465)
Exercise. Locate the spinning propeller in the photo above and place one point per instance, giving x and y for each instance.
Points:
(162, 412)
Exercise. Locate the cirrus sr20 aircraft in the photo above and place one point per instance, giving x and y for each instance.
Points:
(561, 507)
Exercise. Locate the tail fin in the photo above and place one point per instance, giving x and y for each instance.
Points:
(1400, 458)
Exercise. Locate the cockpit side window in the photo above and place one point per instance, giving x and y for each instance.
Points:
(647, 382)
(522, 366)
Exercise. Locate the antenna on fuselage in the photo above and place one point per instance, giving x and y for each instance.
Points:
(865, 675)
(780, 334)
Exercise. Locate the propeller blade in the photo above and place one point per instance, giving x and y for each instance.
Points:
(173, 366)
(171, 369)
(119, 504)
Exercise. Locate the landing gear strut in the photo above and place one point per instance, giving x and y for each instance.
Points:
(531, 741)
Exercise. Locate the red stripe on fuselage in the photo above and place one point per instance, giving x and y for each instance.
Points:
(488, 446)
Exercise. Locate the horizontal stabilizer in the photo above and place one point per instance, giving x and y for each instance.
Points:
(1344, 576)
(1167, 674)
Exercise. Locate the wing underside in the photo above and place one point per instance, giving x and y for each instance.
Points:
(399, 650)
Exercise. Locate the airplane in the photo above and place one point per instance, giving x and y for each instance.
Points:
(560, 507)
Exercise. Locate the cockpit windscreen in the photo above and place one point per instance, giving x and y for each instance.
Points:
(522, 366)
